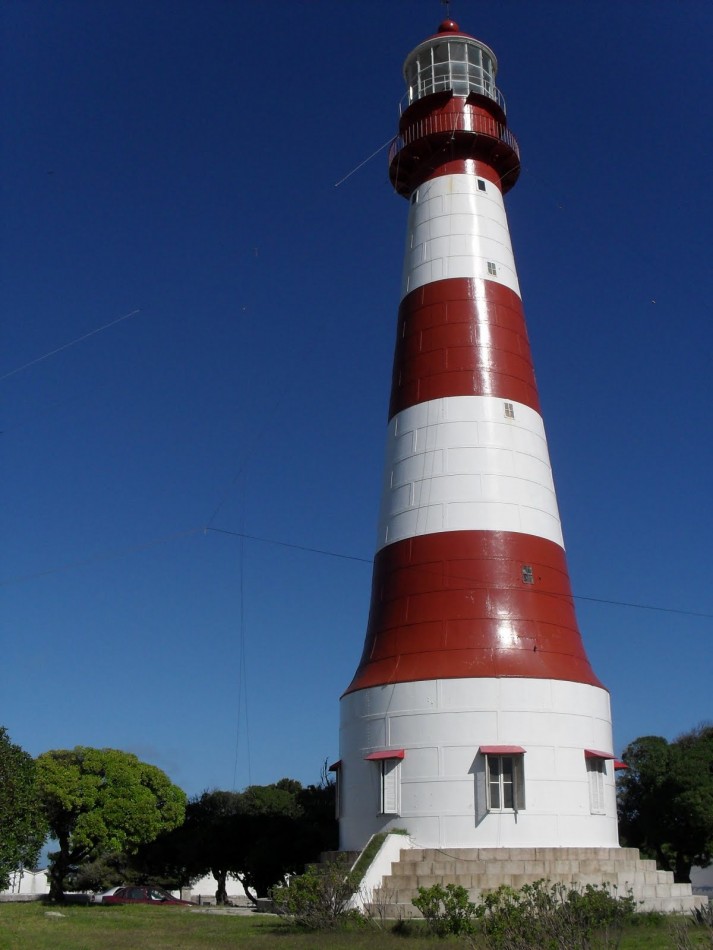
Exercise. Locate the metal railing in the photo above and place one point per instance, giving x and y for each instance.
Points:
(454, 122)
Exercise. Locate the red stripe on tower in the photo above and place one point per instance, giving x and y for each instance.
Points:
(462, 337)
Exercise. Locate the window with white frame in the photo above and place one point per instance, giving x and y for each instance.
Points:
(504, 778)
(388, 763)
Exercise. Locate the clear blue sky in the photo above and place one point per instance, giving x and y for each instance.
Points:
(180, 159)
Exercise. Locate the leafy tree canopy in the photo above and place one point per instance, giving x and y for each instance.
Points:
(666, 800)
(258, 835)
(22, 824)
(101, 801)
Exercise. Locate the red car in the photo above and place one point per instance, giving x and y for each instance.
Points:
(135, 894)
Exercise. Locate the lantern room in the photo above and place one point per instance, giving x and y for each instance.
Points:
(451, 61)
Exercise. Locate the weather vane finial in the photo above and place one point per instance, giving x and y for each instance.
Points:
(447, 5)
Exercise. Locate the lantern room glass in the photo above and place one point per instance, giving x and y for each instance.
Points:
(460, 65)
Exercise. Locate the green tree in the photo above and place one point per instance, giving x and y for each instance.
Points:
(211, 837)
(317, 828)
(665, 800)
(258, 835)
(169, 860)
(266, 829)
(241, 833)
(98, 874)
(102, 801)
(282, 828)
(22, 824)
(249, 834)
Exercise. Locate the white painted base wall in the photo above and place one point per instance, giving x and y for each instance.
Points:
(27, 884)
(440, 725)
(36, 884)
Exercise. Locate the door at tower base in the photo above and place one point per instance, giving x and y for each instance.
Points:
(482, 762)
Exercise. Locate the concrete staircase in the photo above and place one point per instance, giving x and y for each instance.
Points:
(484, 869)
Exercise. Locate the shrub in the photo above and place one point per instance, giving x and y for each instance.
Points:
(319, 898)
(700, 924)
(704, 917)
(552, 916)
(446, 910)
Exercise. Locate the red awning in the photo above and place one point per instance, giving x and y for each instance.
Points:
(385, 754)
(335, 766)
(502, 750)
(596, 754)
(618, 764)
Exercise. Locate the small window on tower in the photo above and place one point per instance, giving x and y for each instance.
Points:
(527, 575)
(505, 782)
(390, 773)
(481, 184)
(509, 410)
(597, 772)
(388, 762)
(492, 269)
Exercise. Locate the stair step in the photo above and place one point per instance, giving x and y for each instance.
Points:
(484, 869)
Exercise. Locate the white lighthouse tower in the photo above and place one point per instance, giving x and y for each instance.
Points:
(474, 718)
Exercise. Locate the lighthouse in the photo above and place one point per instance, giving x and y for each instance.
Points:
(474, 718)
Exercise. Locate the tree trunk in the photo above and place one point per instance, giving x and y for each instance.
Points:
(682, 871)
(663, 860)
(221, 894)
(251, 897)
(59, 866)
(56, 877)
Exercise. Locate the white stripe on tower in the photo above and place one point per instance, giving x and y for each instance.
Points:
(456, 229)
(462, 464)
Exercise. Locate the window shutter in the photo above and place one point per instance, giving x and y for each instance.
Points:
(596, 769)
(390, 786)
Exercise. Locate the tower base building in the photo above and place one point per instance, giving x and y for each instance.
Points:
(489, 763)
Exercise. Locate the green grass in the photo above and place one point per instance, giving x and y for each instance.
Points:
(26, 927)
(369, 853)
